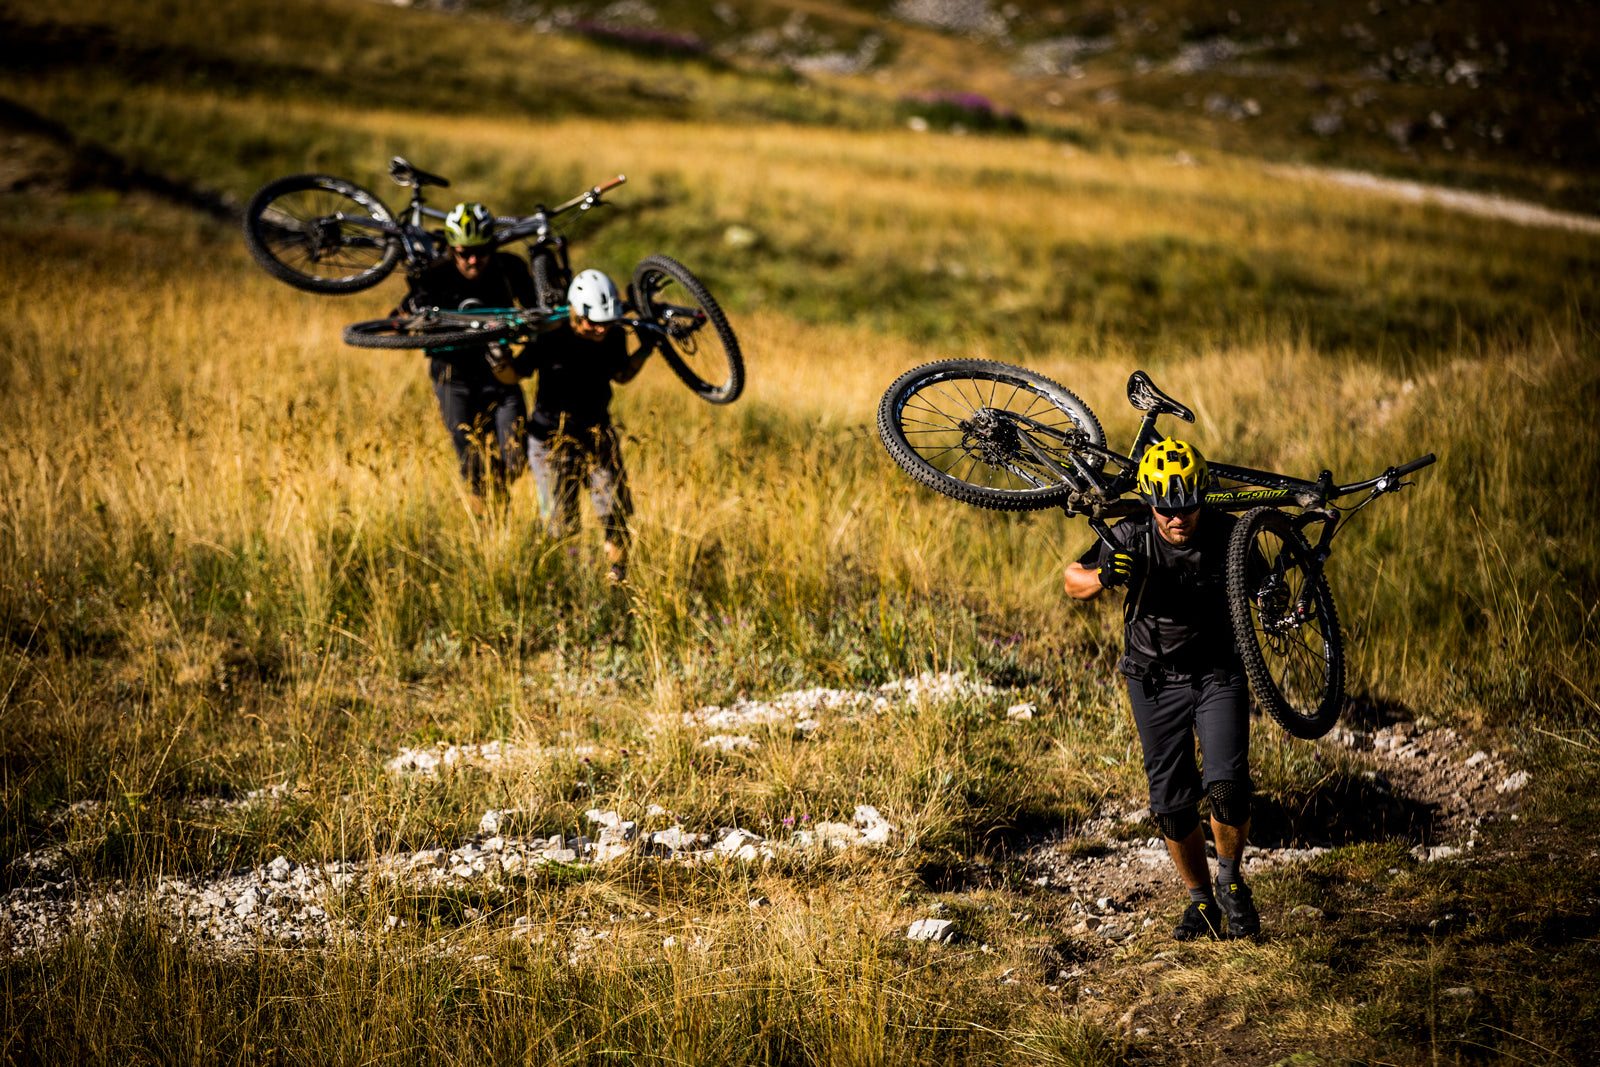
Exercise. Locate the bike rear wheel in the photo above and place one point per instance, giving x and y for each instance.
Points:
(321, 234)
(1285, 625)
(699, 344)
(549, 280)
(441, 330)
(989, 434)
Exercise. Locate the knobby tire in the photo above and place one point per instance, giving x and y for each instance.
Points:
(397, 333)
(715, 373)
(291, 231)
(957, 427)
(1294, 659)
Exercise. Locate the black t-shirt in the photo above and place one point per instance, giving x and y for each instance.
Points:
(504, 283)
(1177, 614)
(575, 375)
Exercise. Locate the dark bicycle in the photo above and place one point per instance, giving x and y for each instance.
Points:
(1002, 437)
(328, 235)
(663, 328)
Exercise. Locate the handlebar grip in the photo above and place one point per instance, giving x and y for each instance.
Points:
(1416, 464)
(612, 184)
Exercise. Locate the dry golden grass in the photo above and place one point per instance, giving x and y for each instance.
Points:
(234, 552)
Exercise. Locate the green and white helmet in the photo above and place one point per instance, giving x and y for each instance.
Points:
(469, 225)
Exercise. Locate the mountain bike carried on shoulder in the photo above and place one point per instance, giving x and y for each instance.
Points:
(1002, 437)
(328, 235)
(668, 327)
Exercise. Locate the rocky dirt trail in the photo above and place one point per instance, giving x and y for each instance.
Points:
(1430, 785)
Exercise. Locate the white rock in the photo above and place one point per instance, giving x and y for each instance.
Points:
(836, 834)
(1460, 992)
(1431, 854)
(1475, 759)
(1021, 712)
(875, 829)
(731, 743)
(931, 930)
(737, 236)
(676, 838)
(428, 857)
(248, 902)
(278, 870)
(1513, 782)
(606, 851)
(655, 810)
(734, 839)
(561, 855)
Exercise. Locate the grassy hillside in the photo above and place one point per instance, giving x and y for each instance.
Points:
(234, 556)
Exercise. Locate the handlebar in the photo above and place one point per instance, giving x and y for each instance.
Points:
(591, 195)
(1388, 480)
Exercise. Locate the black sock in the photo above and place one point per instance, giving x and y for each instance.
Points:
(1202, 895)
(1228, 871)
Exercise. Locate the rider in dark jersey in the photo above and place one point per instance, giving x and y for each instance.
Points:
(1185, 680)
(476, 386)
(570, 436)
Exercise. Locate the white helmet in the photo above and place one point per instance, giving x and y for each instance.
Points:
(594, 296)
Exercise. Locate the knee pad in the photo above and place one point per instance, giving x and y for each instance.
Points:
(1230, 802)
(1178, 825)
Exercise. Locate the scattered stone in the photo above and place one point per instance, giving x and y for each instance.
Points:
(740, 237)
(1308, 912)
(1021, 712)
(875, 829)
(676, 838)
(1433, 853)
(931, 930)
(1513, 782)
(731, 743)
(1460, 992)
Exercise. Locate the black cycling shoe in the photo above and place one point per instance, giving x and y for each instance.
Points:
(1200, 919)
(1237, 903)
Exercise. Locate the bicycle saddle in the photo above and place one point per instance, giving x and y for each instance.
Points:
(404, 173)
(1143, 394)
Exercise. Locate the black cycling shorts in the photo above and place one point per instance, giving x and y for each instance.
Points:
(1171, 713)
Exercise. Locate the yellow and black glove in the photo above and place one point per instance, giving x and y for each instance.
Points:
(1118, 569)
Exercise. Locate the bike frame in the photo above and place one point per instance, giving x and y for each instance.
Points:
(1100, 496)
(423, 248)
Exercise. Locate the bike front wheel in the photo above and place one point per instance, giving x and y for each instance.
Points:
(1285, 625)
(321, 234)
(438, 330)
(698, 343)
(989, 434)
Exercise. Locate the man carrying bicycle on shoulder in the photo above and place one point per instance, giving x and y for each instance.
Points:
(570, 435)
(1185, 680)
(477, 387)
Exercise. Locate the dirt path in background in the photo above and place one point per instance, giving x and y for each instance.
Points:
(1483, 205)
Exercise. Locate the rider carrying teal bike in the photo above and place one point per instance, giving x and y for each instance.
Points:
(570, 436)
(477, 387)
(1185, 680)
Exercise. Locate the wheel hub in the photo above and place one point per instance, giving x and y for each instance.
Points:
(989, 437)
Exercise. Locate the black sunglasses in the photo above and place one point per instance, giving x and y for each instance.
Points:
(1169, 513)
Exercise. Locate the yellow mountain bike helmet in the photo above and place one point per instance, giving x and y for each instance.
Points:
(469, 225)
(1173, 474)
